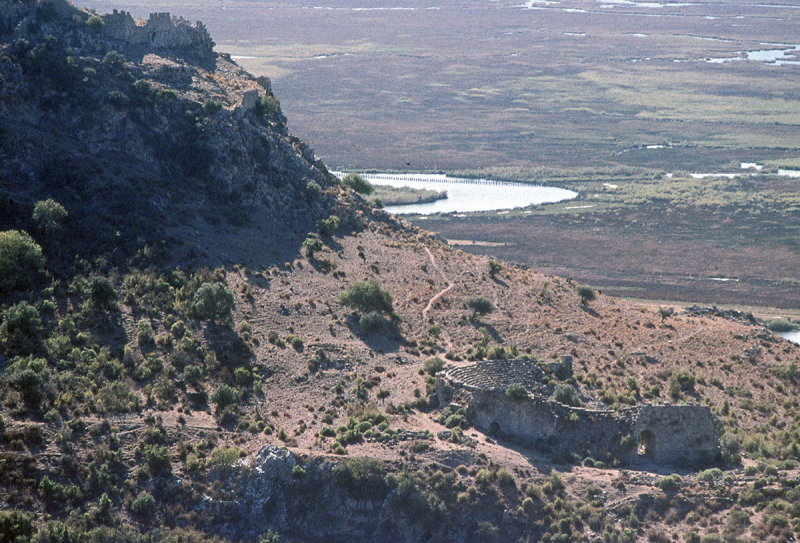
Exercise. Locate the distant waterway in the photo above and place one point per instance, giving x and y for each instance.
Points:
(466, 195)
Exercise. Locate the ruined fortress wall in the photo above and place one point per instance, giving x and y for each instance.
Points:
(539, 422)
(679, 433)
(160, 31)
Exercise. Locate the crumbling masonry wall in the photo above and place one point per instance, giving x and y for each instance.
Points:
(664, 434)
(160, 31)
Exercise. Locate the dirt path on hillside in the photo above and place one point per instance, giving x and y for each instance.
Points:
(438, 295)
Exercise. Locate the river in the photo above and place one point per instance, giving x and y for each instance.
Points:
(466, 195)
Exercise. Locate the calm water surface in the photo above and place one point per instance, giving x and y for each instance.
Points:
(465, 195)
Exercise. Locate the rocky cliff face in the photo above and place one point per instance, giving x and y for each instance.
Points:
(142, 125)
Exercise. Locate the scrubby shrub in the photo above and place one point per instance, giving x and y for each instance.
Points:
(224, 396)
(144, 332)
(143, 505)
(780, 325)
(95, 23)
(327, 227)
(432, 366)
(586, 293)
(21, 329)
(49, 216)
(358, 184)
(268, 105)
(212, 301)
(311, 245)
(224, 458)
(366, 296)
(566, 394)
(102, 294)
(494, 267)
(15, 526)
(158, 459)
(362, 478)
(670, 483)
(479, 306)
(21, 260)
(210, 107)
(516, 392)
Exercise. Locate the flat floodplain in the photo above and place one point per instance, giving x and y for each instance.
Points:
(476, 83)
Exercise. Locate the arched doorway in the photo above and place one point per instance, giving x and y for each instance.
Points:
(647, 444)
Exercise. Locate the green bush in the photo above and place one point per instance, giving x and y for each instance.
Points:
(21, 329)
(358, 184)
(212, 301)
(115, 62)
(143, 505)
(362, 478)
(432, 366)
(268, 105)
(328, 226)
(224, 458)
(311, 245)
(566, 394)
(210, 107)
(15, 526)
(516, 392)
(224, 396)
(102, 294)
(158, 459)
(670, 483)
(49, 216)
(494, 267)
(586, 293)
(95, 23)
(21, 260)
(780, 325)
(366, 296)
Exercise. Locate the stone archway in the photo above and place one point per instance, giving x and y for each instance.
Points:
(647, 444)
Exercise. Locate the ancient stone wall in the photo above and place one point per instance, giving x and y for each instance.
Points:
(676, 433)
(160, 31)
(664, 434)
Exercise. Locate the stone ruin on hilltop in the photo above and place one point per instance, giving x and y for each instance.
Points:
(160, 31)
(659, 433)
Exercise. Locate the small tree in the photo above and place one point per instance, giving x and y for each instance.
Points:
(21, 260)
(311, 245)
(586, 293)
(494, 267)
(328, 226)
(212, 301)
(479, 306)
(358, 184)
(49, 216)
(20, 329)
(516, 392)
(366, 296)
(566, 394)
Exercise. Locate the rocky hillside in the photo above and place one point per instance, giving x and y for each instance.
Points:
(205, 336)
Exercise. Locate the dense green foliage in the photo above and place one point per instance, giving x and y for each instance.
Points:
(358, 184)
(366, 296)
(21, 260)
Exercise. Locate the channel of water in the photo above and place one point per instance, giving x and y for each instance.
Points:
(468, 195)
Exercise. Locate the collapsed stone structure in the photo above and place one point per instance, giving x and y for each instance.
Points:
(160, 31)
(663, 434)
